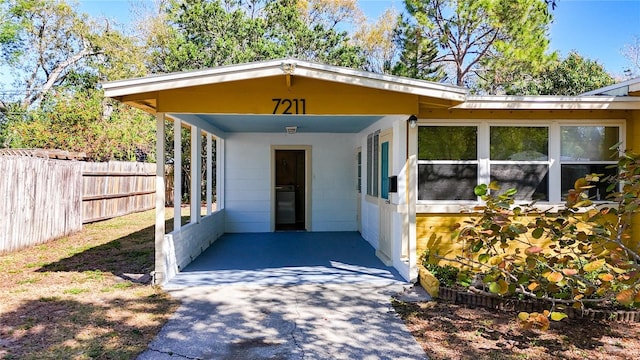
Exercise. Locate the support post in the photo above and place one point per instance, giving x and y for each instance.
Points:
(412, 166)
(219, 190)
(177, 174)
(209, 170)
(160, 263)
(196, 171)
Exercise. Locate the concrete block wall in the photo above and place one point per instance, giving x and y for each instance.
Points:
(184, 245)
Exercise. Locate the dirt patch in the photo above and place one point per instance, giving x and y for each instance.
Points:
(85, 296)
(449, 331)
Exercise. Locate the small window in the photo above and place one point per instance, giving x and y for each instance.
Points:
(586, 150)
(359, 185)
(447, 162)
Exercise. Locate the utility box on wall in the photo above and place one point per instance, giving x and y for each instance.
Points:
(393, 184)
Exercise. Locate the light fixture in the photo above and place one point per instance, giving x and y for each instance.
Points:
(291, 129)
(413, 121)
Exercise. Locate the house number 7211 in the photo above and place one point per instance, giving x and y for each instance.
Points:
(289, 106)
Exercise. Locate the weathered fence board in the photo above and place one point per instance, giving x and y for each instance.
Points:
(116, 188)
(40, 199)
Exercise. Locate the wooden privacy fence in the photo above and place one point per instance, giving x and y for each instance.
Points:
(116, 188)
(42, 198)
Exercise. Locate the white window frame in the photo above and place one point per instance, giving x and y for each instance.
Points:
(484, 162)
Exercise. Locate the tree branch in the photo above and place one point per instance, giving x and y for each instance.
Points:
(56, 73)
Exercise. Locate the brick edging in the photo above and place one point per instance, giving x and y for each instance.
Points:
(467, 298)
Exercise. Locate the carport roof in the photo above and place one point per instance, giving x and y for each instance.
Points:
(144, 92)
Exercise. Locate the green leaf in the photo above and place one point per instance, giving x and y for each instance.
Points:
(537, 233)
(494, 287)
(499, 287)
(557, 316)
(477, 246)
(480, 190)
(483, 258)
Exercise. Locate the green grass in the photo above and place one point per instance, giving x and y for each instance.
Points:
(74, 291)
(27, 281)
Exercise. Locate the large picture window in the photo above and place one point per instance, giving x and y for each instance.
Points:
(542, 162)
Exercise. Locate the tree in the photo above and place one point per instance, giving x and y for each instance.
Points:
(418, 54)
(208, 33)
(59, 57)
(631, 52)
(571, 76)
(377, 41)
(75, 121)
(49, 39)
(485, 38)
(307, 34)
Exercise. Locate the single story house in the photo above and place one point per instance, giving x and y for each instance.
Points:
(305, 146)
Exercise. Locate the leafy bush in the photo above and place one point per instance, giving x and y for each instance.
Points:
(448, 275)
(590, 258)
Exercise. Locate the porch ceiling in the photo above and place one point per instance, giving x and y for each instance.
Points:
(277, 124)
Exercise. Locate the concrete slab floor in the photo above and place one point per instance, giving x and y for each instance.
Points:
(310, 321)
(287, 296)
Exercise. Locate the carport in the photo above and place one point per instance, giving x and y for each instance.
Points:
(338, 141)
(286, 259)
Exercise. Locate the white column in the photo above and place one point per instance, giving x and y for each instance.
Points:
(159, 273)
(177, 174)
(412, 165)
(209, 170)
(220, 151)
(555, 194)
(196, 171)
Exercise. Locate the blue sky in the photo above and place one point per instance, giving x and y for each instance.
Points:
(597, 29)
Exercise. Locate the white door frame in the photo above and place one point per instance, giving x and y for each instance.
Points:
(307, 183)
(385, 208)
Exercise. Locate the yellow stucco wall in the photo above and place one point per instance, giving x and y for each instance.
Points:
(434, 231)
(633, 144)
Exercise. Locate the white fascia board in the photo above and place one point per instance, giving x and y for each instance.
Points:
(182, 80)
(625, 84)
(549, 103)
(380, 81)
(277, 67)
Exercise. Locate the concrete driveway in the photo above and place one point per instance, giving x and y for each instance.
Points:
(315, 303)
